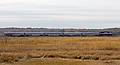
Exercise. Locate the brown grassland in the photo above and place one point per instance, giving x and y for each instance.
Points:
(59, 51)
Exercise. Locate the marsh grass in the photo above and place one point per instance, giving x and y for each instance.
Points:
(82, 48)
(100, 43)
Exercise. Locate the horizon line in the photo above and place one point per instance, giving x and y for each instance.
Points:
(60, 28)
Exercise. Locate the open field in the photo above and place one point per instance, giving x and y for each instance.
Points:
(59, 50)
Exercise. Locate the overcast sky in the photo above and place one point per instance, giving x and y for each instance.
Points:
(60, 13)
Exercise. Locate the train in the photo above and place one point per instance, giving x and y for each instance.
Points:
(25, 34)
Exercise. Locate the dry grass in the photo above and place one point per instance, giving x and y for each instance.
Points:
(81, 48)
(65, 62)
(97, 43)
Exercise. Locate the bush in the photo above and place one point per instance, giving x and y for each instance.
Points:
(89, 58)
(10, 58)
(5, 58)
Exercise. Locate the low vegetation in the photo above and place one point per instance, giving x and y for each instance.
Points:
(23, 49)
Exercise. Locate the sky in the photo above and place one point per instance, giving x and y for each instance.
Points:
(60, 13)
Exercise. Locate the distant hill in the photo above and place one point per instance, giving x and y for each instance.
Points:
(55, 30)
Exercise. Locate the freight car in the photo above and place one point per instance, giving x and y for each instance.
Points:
(23, 34)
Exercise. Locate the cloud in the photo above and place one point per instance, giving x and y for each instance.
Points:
(60, 13)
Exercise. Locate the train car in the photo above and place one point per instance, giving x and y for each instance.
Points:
(89, 33)
(81, 33)
(53, 33)
(34, 33)
(71, 34)
(17, 34)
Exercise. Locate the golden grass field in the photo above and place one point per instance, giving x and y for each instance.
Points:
(60, 51)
